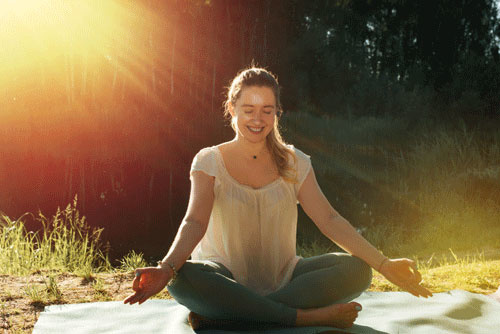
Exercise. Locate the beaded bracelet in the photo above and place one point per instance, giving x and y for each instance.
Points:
(382, 263)
(174, 276)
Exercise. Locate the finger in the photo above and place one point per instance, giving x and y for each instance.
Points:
(410, 287)
(127, 300)
(137, 280)
(425, 292)
(419, 291)
(144, 298)
(416, 274)
(137, 298)
(130, 299)
(412, 290)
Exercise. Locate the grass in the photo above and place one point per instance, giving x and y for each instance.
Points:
(434, 198)
(474, 272)
(64, 242)
(24, 294)
(412, 189)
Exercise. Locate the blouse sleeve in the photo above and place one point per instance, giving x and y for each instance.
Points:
(205, 161)
(303, 166)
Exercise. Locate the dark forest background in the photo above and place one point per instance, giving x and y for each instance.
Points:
(120, 134)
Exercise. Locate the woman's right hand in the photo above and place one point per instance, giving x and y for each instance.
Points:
(148, 282)
(404, 273)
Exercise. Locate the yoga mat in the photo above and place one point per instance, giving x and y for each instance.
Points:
(383, 312)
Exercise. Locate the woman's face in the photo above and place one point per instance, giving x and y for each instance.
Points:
(254, 113)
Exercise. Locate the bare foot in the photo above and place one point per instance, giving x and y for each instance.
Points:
(194, 320)
(335, 315)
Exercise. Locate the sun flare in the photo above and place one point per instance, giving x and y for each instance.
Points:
(36, 32)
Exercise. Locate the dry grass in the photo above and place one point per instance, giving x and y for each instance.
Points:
(20, 310)
(478, 277)
(22, 298)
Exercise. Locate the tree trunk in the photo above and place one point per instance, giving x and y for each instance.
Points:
(266, 20)
(172, 64)
(191, 69)
(242, 39)
(82, 194)
(170, 197)
(150, 197)
(70, 181)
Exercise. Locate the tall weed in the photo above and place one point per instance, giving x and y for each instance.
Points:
(65, 243)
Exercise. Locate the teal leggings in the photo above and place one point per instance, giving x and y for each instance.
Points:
(208, 288)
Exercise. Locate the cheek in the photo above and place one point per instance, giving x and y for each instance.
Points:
(271, 119)
(241, 120)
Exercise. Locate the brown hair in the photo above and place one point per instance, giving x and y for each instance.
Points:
(260, 77)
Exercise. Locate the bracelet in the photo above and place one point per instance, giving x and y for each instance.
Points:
(174, 276)
(382, 263)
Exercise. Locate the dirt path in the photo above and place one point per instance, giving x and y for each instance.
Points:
(23, 298)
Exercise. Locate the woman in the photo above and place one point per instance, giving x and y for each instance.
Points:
(240, 230)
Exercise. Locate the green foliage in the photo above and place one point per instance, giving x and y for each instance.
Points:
(64, 243)
(355, 56)
(132, 260)
(427, 190)
(52, 289)
(36, 293)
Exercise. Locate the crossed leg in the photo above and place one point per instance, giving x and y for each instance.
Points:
(208, 289)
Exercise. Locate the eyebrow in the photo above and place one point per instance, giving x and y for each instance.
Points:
(251, 105)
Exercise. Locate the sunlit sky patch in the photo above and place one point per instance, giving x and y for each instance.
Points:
(38, 32)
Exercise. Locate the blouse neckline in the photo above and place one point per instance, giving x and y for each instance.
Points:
(233, 180)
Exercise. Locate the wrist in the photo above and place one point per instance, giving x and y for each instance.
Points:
(168, 266)
(384, 261)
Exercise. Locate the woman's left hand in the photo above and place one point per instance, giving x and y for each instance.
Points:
(404, 273)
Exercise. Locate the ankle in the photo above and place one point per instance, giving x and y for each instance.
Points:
(305, 317)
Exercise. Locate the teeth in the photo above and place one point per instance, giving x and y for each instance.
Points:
(255, 129)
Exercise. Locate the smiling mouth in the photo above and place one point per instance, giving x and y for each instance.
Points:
(255, 130)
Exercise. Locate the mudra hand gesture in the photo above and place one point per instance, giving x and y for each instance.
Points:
(404, 273)
(148, 282)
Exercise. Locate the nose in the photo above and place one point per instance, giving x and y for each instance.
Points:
(257, 116)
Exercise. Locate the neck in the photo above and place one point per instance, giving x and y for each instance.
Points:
(250, 149)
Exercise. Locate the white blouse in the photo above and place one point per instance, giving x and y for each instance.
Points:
(251, 231)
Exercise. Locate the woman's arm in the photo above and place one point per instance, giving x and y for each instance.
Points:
(195, 222)
(151, 280)
(402, 272)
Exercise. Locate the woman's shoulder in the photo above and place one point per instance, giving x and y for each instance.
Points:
(207, 151)
(301, 164)
(223, 147)
(299, 154)
(206, 160)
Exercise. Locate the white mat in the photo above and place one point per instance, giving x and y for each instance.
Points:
(383, 312)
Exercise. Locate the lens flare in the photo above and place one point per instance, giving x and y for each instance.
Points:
(37, 33)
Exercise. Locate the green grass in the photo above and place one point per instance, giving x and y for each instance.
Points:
(470, 271)
(431, 194)
(132, 260)
(410, 188)
(433, 198)
(64, 242)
